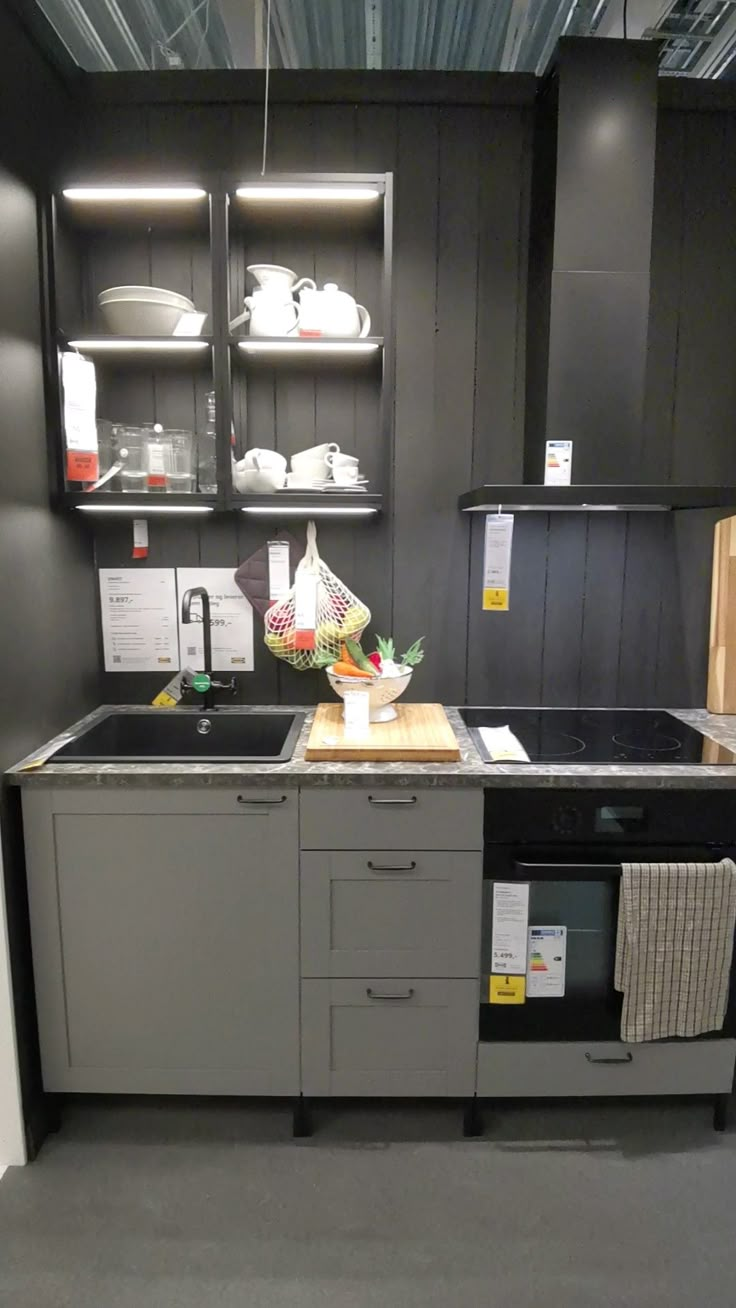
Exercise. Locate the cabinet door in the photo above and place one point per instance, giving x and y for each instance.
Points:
(389, 1037)
(165, 949)
(391, 914)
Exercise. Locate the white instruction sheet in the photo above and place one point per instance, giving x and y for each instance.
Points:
(510, 924)
(499, 536)
(545, 977)
(139, 626)
(231, 618)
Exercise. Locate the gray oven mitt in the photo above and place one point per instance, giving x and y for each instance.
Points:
(252, 575)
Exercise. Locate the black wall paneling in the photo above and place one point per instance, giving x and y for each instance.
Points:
(581, 622)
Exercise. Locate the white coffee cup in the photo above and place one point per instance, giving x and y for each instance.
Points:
(336, 459)
(311, 465)
(347, 476)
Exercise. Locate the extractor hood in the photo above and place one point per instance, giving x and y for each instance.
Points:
(589, 280)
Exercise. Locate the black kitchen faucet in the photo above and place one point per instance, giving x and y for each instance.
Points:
(197, 683)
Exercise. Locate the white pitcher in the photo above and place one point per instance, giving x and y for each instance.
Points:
(332, 312)
(270, 313)
(272, 277)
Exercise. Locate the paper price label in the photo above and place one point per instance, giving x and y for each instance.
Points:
(510, 925)
(278, 569)
(305, 606)
(507, 990)
(497, 561)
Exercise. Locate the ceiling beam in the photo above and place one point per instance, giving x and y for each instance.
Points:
(243, 23)
(515, 33)
(640, 15)
(717, 51)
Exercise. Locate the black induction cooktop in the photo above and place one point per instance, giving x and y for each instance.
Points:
(598, 736)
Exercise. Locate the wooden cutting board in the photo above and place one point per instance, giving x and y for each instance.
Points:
(722, 655)
(420, 733)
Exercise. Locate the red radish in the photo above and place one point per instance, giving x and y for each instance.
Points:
(375, 659)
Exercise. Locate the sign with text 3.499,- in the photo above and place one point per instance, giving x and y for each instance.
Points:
(497, 561)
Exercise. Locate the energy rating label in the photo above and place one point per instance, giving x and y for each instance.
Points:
(546, 962)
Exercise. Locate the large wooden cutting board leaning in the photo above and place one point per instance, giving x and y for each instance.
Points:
(420, 733)
(722, 656)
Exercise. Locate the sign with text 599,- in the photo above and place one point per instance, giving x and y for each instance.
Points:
(497, 561)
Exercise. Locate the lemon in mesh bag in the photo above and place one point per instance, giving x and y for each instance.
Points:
(339, 614)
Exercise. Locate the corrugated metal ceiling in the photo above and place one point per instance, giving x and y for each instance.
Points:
(697, 38)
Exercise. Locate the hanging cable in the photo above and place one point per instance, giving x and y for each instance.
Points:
(626, 20)
(265, 97)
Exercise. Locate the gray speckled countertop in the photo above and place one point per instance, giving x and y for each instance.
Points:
(470, 771)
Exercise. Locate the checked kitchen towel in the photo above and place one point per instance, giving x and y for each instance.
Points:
(674, 946)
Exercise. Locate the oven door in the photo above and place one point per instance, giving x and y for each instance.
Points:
(576, 888)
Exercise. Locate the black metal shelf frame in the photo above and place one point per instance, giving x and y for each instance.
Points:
(222, 354)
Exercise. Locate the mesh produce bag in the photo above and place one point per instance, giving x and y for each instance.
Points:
(339, 614)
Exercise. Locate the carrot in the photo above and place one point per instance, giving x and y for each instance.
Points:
(343, 669)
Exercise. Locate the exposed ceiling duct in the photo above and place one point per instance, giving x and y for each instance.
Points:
(695, 38)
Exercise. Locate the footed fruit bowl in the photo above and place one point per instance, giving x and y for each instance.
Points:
(382, 691)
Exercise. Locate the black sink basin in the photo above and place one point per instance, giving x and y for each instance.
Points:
(172, 736)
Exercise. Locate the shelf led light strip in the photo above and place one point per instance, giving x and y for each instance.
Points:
(311, 510)
(348, 194)
(253, 346)
(124, 343)
(145, 509)
(132, 194)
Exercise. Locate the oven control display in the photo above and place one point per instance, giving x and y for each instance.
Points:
(616, 819)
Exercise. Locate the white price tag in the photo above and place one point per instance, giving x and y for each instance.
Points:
(140, 538)
(278, 569)
(356, 713)
(305, 608)
(510, 925)
(558, 463)
(497, 560)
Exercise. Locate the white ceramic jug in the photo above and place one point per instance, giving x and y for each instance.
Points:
(270, 313)
(272, 277)
(332, 312)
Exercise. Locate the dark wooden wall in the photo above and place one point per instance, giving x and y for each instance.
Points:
(605, 609)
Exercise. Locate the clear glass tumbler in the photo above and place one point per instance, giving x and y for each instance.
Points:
(132, 453)
(180, 476)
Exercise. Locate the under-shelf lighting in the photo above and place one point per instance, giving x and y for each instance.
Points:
(145, 509)
(132, 194)
(311, 510)
(351, 194)
(123, 344)
(307, 347)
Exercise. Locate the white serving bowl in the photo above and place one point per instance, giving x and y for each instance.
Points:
(382, 691)
(154, 294)
(140, 317)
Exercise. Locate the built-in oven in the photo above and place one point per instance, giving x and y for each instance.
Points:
(567, 848)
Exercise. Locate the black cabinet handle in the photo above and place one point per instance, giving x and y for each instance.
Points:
(388, 994)
(610, 1062)
(243, 800)
(386, 802)
(391, 867)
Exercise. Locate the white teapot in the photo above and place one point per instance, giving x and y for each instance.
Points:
(332, 312)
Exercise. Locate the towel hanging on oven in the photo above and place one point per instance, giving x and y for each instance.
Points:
(673, 948)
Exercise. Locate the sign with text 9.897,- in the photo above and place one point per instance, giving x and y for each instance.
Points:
(497, 561)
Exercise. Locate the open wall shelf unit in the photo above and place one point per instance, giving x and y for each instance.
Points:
(284, 393)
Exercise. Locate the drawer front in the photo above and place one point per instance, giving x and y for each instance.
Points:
(392, 818)
(390, 913)
(245, 801)
(664, 1068)
(389, 1036)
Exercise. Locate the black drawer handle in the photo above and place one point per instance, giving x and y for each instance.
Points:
(392, 802)
(610, 1062)
(388, 994)
(391, 867)
(242, 799)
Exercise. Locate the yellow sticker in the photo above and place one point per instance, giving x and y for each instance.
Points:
(507, 990)
(495, 599)
(163, 700)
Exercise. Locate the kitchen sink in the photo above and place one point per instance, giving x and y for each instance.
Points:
(176, 736)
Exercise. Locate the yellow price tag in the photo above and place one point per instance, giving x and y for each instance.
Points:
(507, 990)
(495, 599)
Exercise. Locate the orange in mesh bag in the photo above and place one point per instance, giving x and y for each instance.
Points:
(339, 614)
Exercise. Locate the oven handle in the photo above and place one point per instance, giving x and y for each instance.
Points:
(610, 1062)
(566, 871)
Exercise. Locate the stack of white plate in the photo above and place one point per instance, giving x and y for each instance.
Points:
(142, 310)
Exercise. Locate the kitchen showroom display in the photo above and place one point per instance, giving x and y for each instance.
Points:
(238, 322)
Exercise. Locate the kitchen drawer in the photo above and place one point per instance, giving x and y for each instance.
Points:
(390, 913)
(667, 1067)
(389, 1036)
(392, 818)
(243, 801)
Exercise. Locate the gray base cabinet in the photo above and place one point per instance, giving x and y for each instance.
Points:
(165, 940)
(389, 1036)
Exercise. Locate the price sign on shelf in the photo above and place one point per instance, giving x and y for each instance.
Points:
(497, 561)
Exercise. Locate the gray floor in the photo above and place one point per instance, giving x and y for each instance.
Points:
(177, 1206)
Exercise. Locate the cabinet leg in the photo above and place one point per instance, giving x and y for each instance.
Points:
(302, 1119)
(720, 1112)
(472, 1119)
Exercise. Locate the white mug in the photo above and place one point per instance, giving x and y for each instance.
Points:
(265, 459)
(312, 464)
(319, 451)
(338, 460)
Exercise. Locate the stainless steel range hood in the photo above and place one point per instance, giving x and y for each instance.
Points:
(589, 282)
